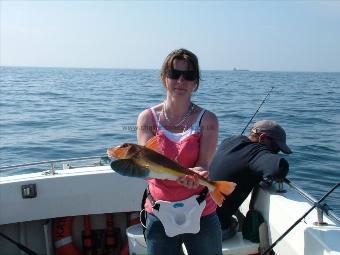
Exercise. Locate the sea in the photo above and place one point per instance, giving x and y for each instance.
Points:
(60, 113)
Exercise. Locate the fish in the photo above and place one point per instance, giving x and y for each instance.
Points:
(139, 161)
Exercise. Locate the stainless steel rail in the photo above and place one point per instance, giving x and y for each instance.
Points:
(270, 248)
(313, 200)
(52, 162)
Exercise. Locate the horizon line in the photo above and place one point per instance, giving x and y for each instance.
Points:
(155, 69)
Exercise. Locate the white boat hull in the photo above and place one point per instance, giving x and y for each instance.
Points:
(79, 191)
(98, 190)
(281, 210)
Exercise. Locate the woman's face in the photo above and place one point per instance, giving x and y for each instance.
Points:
(180, 86)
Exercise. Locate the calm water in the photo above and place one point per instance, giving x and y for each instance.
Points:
(56, 113)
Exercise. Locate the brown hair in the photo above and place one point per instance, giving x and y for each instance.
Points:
(181, 54)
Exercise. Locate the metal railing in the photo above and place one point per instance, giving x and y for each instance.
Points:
(323, 208)
(53, 162)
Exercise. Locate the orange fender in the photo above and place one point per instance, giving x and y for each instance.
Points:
(62, 236)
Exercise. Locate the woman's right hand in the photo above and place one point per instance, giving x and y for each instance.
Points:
(192, 181)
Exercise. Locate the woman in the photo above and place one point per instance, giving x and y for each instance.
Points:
(187, 134)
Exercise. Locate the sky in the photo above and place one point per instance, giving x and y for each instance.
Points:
(254, 35)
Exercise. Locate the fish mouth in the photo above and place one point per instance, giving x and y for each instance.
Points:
(118, 151)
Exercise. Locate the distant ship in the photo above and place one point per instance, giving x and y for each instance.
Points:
(240, 70)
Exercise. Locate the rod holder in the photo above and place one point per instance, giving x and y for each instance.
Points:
(280, 188)
(52, 169)
(320, 211)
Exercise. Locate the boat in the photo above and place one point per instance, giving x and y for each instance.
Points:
(67, 206)
(240, 70)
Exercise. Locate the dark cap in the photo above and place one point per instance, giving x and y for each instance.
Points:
(274, 131)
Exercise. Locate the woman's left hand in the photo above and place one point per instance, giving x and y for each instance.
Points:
(200, 170)
(192, 181)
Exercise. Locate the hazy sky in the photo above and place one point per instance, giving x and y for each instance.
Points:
(256, 35)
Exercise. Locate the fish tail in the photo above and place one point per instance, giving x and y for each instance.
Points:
(222, 188)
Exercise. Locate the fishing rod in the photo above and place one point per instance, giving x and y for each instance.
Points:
(300, 219)
(257, 110)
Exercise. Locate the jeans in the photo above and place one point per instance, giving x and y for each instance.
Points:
(208, 241)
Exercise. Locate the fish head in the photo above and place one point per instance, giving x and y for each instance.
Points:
(124, 151)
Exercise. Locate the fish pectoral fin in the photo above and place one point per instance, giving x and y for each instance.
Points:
(128, 167)
(154, 145)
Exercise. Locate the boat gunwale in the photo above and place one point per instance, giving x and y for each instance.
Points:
(5, 168)
(327, 210)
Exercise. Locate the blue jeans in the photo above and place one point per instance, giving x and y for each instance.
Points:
(208, 241)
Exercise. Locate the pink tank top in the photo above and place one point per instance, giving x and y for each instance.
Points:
(184, 149)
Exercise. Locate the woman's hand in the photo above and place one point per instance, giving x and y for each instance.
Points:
(192, 181)
(200, 170)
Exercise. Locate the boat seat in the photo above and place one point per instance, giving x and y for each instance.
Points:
(236, 245)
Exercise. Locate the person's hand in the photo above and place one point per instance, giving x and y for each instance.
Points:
(201, 171)
(192, 181)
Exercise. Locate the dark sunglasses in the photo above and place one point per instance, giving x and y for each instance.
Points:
(274, 147)
(187, 75)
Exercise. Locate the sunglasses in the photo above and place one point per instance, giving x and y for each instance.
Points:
(187, 75)
(274, 147)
